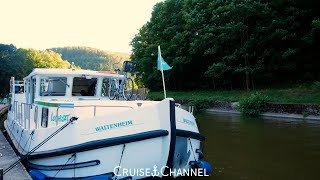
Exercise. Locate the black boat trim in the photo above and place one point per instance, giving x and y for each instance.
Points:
(101, 144)
(173, 134)
(64, 166)
(110, 174)
(190, 134)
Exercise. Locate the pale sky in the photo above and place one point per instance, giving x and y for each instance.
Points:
(104, 24)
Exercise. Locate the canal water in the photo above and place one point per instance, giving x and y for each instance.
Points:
(260, 149)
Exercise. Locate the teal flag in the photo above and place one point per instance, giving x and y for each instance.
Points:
(165, 66)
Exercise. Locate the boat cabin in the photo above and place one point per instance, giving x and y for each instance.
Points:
(58, 84)
(49, 96)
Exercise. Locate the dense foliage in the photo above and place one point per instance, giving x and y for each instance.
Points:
(91, 58)
(229, 43)
(20, 62)
(253, 105)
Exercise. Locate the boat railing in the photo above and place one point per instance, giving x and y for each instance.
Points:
(26, 114)
(16, 111)
(22, 113)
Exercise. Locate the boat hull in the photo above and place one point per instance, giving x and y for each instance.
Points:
(158, 137)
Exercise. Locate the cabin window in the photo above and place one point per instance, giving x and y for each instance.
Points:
(105, 87)
(19, 87)
(84, 86)
(53, 86)
(44, 117)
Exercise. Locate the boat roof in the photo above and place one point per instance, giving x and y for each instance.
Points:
(75, 72)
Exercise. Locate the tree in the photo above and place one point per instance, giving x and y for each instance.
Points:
(91, 58)
(229, 44)
(19, 62)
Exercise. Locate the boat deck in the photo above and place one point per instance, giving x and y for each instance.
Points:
(8, 157)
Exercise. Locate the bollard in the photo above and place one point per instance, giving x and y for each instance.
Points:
(1, 174)
(191, 108)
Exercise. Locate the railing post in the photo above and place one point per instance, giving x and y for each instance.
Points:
(19, 113)
(35, 117)
(22, 115)
(14, 110)
(29, 116)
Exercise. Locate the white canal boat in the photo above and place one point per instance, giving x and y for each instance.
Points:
(65, 134)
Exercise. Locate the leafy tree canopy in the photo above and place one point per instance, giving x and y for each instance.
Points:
(20, 62)
(229, 43)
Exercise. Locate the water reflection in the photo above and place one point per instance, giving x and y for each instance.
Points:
(255, 148)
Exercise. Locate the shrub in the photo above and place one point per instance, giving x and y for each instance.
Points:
(199, 104)
(315, 85)
(253, 105)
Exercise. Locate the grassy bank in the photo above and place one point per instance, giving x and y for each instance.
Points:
(309, 95)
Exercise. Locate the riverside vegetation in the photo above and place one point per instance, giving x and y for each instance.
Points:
(228, 50)
(250, 102)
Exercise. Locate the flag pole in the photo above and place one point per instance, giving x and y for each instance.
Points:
(163, 83)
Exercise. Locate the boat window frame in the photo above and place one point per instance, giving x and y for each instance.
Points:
(44, 119)
(95, 89)
(21, 87)
(50, 94)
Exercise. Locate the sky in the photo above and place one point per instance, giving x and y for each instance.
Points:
(104, 24)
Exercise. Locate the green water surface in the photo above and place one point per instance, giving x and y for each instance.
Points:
(256, 148)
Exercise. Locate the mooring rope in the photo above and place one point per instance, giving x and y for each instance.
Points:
(30, 137)
(40, 144)
(124, 146)
(20, 139)
(74, 165)
(74, 155)
(192, 150)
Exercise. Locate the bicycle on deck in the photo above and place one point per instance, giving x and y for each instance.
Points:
(122, 87)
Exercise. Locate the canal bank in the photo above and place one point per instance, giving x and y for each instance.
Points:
(7, 154)
(296, 99)
(272, 110)
(7, 158)
(269, 114)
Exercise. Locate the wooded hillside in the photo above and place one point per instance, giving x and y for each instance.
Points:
(91, 58)
(230, 44)
(20, 62)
